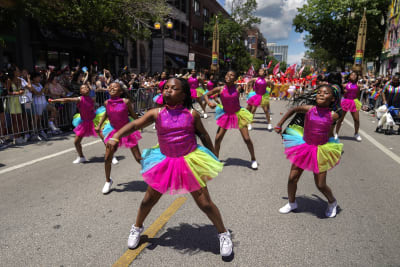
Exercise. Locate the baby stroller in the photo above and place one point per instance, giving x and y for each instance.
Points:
(388, 118)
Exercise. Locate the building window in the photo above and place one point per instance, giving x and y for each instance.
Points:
(196, 5)
(252, 52)
(206, 14)
(195, 36)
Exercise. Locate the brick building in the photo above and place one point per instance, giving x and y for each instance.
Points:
(200, 13)
(256, 43)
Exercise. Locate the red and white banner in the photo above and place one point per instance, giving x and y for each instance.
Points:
(276, 69)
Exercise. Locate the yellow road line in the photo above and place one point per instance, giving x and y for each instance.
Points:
(127, 258)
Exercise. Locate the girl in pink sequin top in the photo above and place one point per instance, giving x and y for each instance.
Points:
(351, 103)
(118, 111)
(260, 96)
(230, 115)
(197, 91)
(313, 147)
(158, 98)
(178, 164)
(85, 127)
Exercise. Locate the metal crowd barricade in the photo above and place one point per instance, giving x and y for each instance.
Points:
(17, 119)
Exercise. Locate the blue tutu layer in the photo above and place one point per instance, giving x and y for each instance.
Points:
(77, 118)
(250, 95)
(108, 128)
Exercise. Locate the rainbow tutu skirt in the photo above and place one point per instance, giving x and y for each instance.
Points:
(158, 99)
(86, 128)
(179, 175)
(126, 141)
(196, 93)
(351, 105)
(310, 157)
(239, 119)
(256, 100)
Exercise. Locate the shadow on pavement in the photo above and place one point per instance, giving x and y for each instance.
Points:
(133, 186)
(190, 239)
(236, 162)
(101, 159)
(2, 165)
(313, 205)
(350, 138)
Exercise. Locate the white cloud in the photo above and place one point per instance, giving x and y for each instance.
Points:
(296, 58)
(276, 16)
(301, 38)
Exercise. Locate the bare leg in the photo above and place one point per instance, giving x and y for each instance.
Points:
(267, 115)
(204, 202)
(218, 140)
(339, 122)
(78, 146)
(249, 143)
(320, 182)
(150, 199)
(107, 162)
(201, 103)
(294, 176)
(136, 153)
(356, 119)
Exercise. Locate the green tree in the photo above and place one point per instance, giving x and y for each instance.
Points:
(332, 28)
(232, 34)
(100, 20)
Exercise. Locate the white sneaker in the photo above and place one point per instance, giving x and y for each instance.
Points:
(43, 134)
(53, 127)
(254, 165)
(107, 187)
(336, 136)
(134, 236)
(114, 160)
(269, 126)
(358, 137)
(205, 116)
(225, 244)
(249, 127)
(288, 208)
(331, 210)
(80, 160)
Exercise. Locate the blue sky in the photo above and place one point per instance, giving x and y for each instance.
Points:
(276, 24)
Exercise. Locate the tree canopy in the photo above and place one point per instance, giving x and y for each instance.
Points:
(332, 28)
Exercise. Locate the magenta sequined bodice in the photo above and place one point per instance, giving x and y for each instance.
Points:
(210, 85)
(352, 91)
(193, 82)
(230, 99)
(117, 112)
(260, 86)
(317, 124)
(176, 132)
(86, 108)
(161, 85)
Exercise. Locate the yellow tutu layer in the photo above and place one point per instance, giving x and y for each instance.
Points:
(244, 117)
(358, 104)
(265, 100)
(203, 165)
(200, 91)
(329, 155)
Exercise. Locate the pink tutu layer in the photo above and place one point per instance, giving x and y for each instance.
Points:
(85, 129)
(126, 141)
(193, 93)
(159, 177)
(228, 121)
(160, 100)
(255, 100)
(348, 105)
(304, 156)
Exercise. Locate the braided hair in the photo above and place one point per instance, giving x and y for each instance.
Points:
(335, 89)
(187, 102)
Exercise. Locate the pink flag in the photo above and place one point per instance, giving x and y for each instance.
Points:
(276, 69)
(251, 72)
(301, 71)
(269, 64)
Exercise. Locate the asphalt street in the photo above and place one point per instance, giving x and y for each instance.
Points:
(54, 214)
